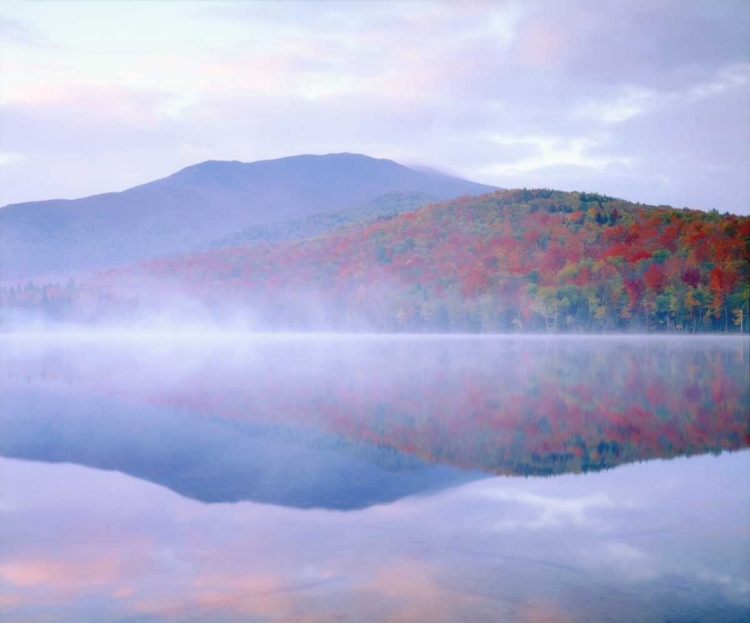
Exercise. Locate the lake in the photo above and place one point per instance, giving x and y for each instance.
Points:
(226, 478)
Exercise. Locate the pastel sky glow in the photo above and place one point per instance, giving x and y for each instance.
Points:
(648, 100)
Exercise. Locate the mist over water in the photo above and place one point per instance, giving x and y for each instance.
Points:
(229, 476)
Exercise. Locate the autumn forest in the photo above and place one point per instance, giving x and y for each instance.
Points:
(507, 261)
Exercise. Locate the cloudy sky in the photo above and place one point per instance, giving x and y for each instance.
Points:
(647, 100)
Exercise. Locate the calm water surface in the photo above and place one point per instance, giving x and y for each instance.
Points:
(374, 479)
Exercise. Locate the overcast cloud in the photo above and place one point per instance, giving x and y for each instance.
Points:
(647, 100)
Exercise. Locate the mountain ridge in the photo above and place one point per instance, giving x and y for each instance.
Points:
(388, 205)
(195, 205)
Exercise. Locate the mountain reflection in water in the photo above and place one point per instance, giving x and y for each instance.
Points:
(403, 433)
(504, 406)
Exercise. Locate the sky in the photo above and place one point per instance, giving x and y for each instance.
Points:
(647, 100)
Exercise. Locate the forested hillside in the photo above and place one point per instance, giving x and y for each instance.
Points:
(520, 260)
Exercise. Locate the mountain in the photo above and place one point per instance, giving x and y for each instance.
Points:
(390, 204)
(196, 205)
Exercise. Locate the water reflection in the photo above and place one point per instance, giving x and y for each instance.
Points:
(208, 458)
(504, 406)
(404, 435)
(562, 549)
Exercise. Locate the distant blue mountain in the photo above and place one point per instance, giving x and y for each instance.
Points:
(197, 205)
